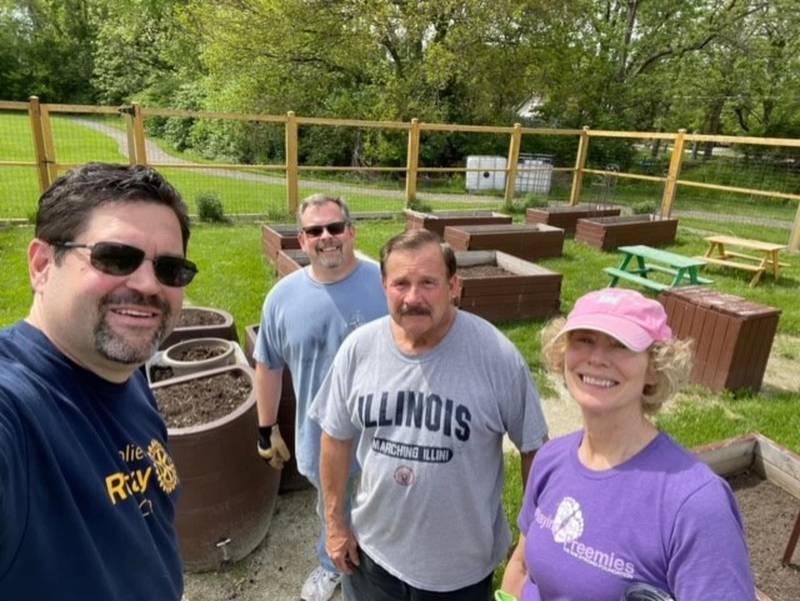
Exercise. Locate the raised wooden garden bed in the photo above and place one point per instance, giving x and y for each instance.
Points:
(227, 494)
(276, 237)
(291, 479)
(436, 222)
(732, 335)
(202, 322)
(526, 241)
(566, 217)
(607, 233)
(290, 260)
(768, 533)
(524, 291)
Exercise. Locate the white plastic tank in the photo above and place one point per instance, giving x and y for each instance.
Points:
(492, 174)
(536, 181)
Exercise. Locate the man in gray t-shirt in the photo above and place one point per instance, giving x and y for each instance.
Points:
(425, 396)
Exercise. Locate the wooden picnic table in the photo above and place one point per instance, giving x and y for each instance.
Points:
(719, 253)
(683, 269)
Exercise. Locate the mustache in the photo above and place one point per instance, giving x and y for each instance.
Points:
(132, 297)
(414, 310)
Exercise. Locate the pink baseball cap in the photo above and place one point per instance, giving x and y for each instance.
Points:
(636, 321)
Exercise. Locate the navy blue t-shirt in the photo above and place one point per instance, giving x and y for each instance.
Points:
(87, 486)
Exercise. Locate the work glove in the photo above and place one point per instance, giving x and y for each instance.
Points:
(271, 446)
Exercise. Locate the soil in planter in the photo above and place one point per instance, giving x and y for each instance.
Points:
(198, 317)
(158, 373)
(197, 353)
(483, 271)
(769, 513)
(202, 400)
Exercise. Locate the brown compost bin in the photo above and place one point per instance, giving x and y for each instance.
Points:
(732, 335)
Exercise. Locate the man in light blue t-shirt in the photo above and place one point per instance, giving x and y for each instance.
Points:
(306, 317)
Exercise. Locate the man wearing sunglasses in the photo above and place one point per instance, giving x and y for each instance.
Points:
(87, 486)
(306, 317)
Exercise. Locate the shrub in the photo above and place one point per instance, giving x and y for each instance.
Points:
(422, 207)
(643, 208)
(531, 201)
(279, 215)
(209, 208)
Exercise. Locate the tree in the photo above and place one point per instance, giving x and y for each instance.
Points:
(50, 48)
(142, 50)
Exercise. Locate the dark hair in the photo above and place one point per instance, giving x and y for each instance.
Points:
(65, 207)
(414, 240)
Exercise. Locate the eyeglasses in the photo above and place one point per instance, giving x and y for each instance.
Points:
(334, 229)
(119, 259)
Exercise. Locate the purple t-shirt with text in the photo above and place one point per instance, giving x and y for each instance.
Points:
(662, 518)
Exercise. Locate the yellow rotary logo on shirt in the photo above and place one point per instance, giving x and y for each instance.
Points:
(165, 468)
(135, 481)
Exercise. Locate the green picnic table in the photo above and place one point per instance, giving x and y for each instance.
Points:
(683, 269)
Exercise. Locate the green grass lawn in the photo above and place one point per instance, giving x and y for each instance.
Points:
(234, 276)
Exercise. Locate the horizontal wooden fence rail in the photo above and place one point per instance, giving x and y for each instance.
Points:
(623, 175)
(11, 105)
(213, 115)
(787, 142)
(44, 154)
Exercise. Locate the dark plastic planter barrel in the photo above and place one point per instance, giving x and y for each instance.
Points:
(227, 494)
(225, 329)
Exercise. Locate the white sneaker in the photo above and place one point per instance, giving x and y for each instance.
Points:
(320, 585)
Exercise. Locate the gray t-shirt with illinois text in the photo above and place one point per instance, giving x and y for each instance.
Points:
(429, 431)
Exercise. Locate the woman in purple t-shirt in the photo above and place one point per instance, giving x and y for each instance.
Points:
(618, 507)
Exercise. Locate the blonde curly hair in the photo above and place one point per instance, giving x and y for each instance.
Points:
(671, 361)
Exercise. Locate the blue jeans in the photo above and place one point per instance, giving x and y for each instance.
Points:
(370, 582)
(324, 559)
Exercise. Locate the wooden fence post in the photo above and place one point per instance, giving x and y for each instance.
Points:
(412, 163)
(35, 113)
(127, 114)
(49, 143)
(292, 183)
(794, 237)
(670, 186)
(580, 165)
(513, 159)
(139, 145)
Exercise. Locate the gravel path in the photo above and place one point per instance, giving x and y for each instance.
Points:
(158, 156)
(747, 219)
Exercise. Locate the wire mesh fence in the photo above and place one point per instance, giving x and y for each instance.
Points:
(772, 172)
(19, 184)
(262, 165)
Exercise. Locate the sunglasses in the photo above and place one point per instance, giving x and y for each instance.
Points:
(334, 229)
(118, 259)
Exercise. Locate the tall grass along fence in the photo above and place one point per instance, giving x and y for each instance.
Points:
(263, 164)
